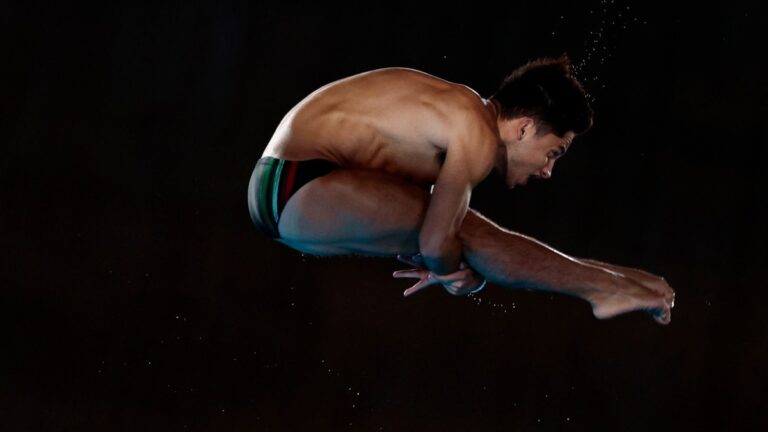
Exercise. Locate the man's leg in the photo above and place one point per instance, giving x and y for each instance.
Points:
(359, 212)
(515, 260)
(377, 214)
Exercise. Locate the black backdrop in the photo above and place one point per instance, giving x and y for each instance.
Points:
(136, 295)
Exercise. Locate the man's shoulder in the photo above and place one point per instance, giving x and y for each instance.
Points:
(471, 132)
(464, 107)
(465, 112)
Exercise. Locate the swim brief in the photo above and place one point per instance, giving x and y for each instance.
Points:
(273, 182)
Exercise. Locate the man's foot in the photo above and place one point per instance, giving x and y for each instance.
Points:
(610, 304)
(658, 285)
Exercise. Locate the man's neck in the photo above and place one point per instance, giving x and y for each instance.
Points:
(493, 108)
(501, 159)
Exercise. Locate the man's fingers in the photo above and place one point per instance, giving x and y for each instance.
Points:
(412, 273)
(428, 278)
(418, 287)
(425, 277)
(452, 277)
(425, 281)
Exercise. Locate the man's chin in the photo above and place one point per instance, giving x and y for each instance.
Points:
(513, 183)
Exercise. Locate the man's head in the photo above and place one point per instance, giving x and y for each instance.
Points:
(540, 108)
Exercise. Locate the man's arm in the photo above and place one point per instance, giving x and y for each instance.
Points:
(469, 159)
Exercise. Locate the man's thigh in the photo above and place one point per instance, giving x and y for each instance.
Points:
(351, 211)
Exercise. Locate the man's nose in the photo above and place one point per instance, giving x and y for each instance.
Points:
(546, 172)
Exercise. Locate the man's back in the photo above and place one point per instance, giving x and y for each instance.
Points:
(394, 119)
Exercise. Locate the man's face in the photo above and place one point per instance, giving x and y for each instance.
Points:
(528, 155)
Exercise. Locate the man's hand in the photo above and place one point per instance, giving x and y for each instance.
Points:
(459, 283)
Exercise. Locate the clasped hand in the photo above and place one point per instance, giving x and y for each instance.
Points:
(459, 283)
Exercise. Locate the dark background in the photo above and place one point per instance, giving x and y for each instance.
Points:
(136, 294)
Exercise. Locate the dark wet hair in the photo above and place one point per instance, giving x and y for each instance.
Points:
(546, 90)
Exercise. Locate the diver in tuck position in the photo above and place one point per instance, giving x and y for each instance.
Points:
(383, 163)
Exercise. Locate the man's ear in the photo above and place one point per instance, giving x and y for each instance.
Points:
(525, 127)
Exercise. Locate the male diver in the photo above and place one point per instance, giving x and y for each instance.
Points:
(383, 163)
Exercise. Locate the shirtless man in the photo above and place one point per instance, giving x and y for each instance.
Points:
(383, 163)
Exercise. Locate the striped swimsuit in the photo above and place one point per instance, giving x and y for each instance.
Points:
(273, 182)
